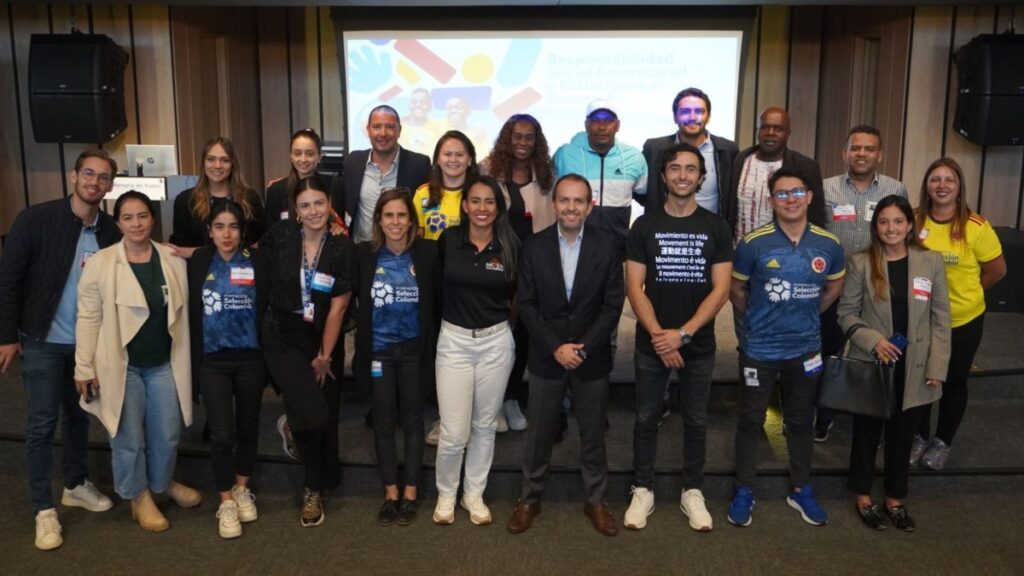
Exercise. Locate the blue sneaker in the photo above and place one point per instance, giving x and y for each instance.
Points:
(742, 506)
(809, 509)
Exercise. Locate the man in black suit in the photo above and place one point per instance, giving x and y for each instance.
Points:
(570, 297)
(691, 110)
(385, 165)
(748, 204)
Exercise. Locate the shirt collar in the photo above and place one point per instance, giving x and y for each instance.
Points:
(562, 238)
(707, 146)
(848, 180)
(394, 163)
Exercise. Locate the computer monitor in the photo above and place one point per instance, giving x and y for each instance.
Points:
(155, 160)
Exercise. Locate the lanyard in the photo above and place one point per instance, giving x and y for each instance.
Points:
(308, 271)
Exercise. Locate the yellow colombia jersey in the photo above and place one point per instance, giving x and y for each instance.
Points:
(963, 263)
(438, 218)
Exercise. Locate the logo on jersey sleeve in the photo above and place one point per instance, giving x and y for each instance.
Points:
(778, 289)
(818, 264)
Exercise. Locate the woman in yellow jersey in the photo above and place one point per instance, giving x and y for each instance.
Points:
(455, 168)
(974, 262)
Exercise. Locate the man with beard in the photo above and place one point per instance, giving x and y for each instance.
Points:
(45, 254)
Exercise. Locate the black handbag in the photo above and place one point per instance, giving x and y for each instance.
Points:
(866, 388)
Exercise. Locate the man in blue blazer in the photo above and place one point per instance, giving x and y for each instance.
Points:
(570, 297)
(385, 165)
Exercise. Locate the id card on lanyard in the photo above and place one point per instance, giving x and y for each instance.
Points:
(307, 277)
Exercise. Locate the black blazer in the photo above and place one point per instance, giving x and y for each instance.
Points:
(413, 170)
(189, 231)
(725, 154)
(588, 318)
(198, 268)
(790, 159)
(428, 278)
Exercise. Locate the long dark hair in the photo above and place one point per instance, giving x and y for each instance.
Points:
(231, 207)
(436, 183)
(387, 195)
(293, 174)
(502, 157)
(963, 211)
(503, 232)
(877, 252)
(200, 205)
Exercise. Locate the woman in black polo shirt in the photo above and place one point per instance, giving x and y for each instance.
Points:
(475, 349)
(310, 285)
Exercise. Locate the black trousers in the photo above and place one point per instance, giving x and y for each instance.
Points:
(232, 382)
(953, 404)
(518, 389)
(289, 346)
(591, 405)
(398, 393)
(899, 437)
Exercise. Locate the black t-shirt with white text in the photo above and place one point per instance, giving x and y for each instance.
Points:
(679, 253)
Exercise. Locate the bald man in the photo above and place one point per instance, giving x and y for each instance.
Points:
(748, 205)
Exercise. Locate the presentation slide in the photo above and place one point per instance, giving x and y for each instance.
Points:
(473, 81)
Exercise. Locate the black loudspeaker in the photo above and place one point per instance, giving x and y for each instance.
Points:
(76, 87)
(990, 90)
(1008, 294)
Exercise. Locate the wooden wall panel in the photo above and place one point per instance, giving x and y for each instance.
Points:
(42, 161)
(970, 21)
(275, 98)
(153, 64)
(804, 71)
(929, 67)
(113, 20)
(773, 77)
(12, 187)
(747, 115)
(333, 116)
(305, 101)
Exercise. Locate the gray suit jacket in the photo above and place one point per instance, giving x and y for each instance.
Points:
(928, 322)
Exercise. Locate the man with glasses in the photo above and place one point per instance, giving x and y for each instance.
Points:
(785, 273)
(46, 251)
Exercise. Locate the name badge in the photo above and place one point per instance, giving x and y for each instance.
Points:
(376, 369)
(843, 212)
(323, 282)
(284, 215)
(750, 377)
(243, 276)
(813, 365)
(922, 288)
(307, 311)
(85, 256)
(869, 210)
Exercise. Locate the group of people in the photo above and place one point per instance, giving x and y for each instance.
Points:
(458, 276)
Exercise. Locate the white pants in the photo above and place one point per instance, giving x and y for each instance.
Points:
(471, 377)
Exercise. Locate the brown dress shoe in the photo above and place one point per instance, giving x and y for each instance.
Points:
(145, 512)
(522, 517)
(601, 517)
(183, 495)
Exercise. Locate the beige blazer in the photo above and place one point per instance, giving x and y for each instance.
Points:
(111, 310)
(928, 321)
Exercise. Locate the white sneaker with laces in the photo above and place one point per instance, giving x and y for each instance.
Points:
(479, 513)
(227, 516)
(444, 512)
(48, 530)
(516, 420)
(640, 507)
(434, 436)
(87, 496)
(246, 502)
(691, 502)
(502, 422)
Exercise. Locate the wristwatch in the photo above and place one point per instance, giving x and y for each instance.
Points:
(684, 338)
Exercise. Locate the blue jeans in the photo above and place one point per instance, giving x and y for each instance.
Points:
(146, 444)
(48, 375)
(694, 391)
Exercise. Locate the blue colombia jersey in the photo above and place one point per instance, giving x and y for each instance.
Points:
(786, 280)
(396, 300)
(229, 304)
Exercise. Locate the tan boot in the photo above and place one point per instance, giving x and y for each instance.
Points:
(145, 512)
(183, 495)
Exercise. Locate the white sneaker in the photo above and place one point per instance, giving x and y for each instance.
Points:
(434, 436)
(691, 502)
(479, 513)
(86, 496)
(246, 502)
(228, 525)
(639, 509)
(502, 422)
(48, 530)
(516, 420)
(444, 512)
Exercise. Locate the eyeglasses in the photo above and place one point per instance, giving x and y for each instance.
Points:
(90, 174)
(783, 195)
